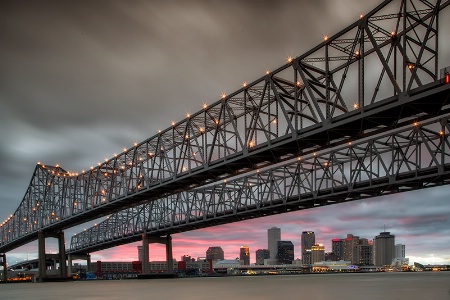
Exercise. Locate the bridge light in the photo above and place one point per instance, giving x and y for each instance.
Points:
(124, 149)
(188, 115)
(392, 33)
(289, 59)
(99, 164)
(355, 106)
(223, 95)
(325, 38)
(441, 132)
(299, 158)
(251, 144)
(267, 72)
(410, 66)
(244, 84)
(298, 83)
(57, 165)
(173, 123)
(361, 16)
(415, 124)
(447, 78)
(201, 130)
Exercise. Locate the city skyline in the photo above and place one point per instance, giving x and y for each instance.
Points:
(79, 85)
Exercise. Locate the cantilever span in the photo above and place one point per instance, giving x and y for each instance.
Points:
(413, 156)
(379, 71)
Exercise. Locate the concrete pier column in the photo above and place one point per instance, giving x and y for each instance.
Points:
(145, 255)
(169, 255)
(62, 254)
(69, 265)
(88, 261)
(41, 256)
(3, 264)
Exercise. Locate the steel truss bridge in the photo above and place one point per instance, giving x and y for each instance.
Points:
(365, 111)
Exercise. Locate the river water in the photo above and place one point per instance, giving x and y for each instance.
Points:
(386, 286)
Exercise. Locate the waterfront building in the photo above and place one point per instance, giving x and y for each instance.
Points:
(273, 236)
(337, 247)
(244, 255)
(261, 255)
(400, 251)
(317, 253)
(308, 240)
(285, 252)
(384, 249)
(214, 253)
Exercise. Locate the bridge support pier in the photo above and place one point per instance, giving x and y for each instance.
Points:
(145, 258)
(72, 257)
(169, 256)
(3, 264)
(146, 240)
(42, 256)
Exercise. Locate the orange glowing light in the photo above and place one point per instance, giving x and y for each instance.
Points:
(223, 95)
(267, 72)
(355, 106)
(244, 84)
(298, 83)
(205, 106)
(325, 38)
(289, 59)
(447, 78)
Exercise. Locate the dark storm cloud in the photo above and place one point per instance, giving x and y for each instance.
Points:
(80, 80)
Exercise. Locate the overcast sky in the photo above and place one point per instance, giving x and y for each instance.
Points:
(80, 80)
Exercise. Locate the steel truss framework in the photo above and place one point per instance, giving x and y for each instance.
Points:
(412, 157)
(380, 70)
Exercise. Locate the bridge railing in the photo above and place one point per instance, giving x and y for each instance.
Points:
(377, 60)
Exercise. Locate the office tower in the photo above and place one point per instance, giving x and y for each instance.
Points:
(244, 255)
(285, 252)
(140, 253)
(366, 254)
(337, 247)
(261, 255)
(308, 240)
(214, 253)
(384, 249)
(400, 251)
(317, 253)
(351, 251)
(273, 236)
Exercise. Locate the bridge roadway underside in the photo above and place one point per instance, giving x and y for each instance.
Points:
(408, 181)
(426, 100)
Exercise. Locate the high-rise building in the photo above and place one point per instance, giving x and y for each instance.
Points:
(186, 258)
(317, 253)
(308, 240)
(140, 253)
(337, 247)
(215, 253)
(365, 254)
(285, 252)
(261, 255)
(351, 250)
(273, 236)
(400, 251)
(244, 255)
(384, 249)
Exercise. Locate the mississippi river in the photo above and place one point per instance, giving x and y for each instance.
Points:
(386, 286)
